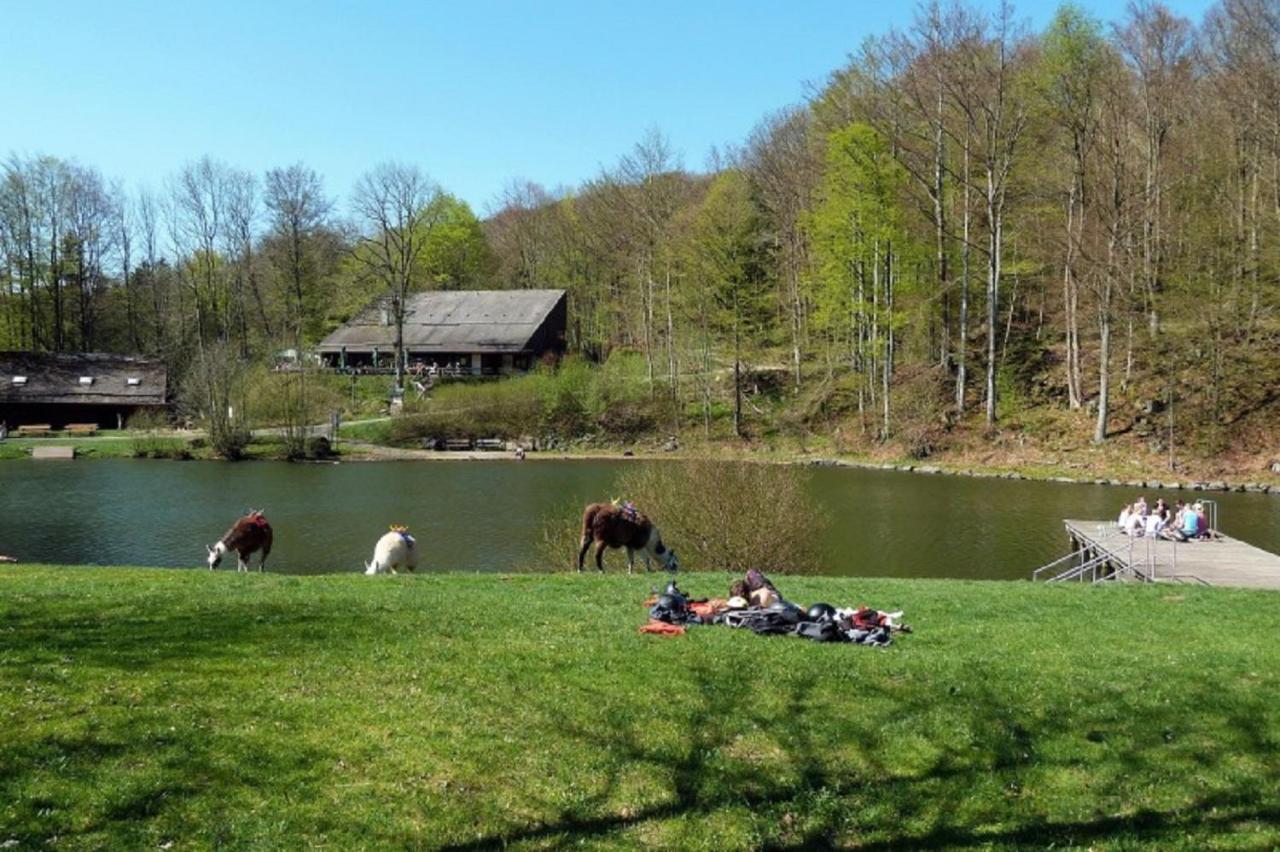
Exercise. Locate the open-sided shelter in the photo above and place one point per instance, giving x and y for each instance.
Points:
(58, 388)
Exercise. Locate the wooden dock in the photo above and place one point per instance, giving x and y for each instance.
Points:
(1100, 552)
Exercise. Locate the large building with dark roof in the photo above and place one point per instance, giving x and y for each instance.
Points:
(58, 388)
(478, 332)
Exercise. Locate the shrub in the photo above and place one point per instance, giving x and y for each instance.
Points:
(318, 447)
(730, 516)
(148, 440)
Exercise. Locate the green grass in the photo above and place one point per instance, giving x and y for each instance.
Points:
(148, 707)
(113, 446)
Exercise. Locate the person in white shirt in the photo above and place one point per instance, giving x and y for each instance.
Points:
(1155, 523)
(1123, 522)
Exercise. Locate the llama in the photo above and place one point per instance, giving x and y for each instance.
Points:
(611, 525)
(396, 549)
(248, 535)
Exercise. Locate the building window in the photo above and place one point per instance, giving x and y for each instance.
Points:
(85, 381)
(133, 381)
(19, 380)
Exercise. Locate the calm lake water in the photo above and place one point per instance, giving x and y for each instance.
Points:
(487, 515)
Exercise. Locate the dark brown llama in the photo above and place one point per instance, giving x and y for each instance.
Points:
(609, 525)
(247, 536)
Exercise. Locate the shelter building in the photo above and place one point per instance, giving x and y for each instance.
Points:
(472, 332)
(58, 388)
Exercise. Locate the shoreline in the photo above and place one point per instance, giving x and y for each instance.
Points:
(354, 451)
(378, 453)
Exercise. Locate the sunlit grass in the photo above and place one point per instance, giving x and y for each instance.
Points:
(146, 707)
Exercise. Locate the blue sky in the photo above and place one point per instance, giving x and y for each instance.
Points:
(476, 93)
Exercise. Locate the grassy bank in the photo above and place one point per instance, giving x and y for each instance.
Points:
(145, 708)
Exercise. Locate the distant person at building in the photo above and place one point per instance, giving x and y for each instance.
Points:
(4, 429)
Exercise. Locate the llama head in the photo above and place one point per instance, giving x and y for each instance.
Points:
(665, 554)
(215, 554)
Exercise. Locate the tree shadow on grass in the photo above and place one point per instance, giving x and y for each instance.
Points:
(120, 787)
(801, 798)
(133, 641)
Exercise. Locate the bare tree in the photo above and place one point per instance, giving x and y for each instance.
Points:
(783, 162)
(299, 209)
(993, 106)
(393, 202)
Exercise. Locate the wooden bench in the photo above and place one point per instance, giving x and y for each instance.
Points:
(81, 428)
(457, 444)
(34, 430)
(490, 444)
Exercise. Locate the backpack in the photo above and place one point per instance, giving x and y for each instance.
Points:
(819, 631)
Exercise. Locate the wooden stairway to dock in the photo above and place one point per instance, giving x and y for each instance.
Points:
(1100, 552)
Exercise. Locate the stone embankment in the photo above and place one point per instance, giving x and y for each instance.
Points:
(1153, 484)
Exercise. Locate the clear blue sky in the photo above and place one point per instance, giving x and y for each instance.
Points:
(476, 93)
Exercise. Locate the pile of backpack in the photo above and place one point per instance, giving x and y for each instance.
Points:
(769, 614)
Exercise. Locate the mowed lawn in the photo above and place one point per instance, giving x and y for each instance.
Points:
(144, 708)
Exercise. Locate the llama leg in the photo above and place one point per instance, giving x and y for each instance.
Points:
(631, 561)
(582, 551)
(600, 556)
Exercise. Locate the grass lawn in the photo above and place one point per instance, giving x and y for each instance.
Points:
(146, 708)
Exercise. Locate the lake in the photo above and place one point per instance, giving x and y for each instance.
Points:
(487, 515)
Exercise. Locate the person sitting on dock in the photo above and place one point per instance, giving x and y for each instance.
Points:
(1154, 525)
(1138, 520)
(1189, 522)
(1202, 522)
(1125, 515)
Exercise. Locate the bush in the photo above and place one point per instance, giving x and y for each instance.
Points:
(318, 447)
(717, 516)
(148, 440)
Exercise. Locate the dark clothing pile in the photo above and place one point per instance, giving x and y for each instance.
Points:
(820, 623)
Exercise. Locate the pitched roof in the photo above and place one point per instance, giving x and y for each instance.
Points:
(44, 377)
(453, 321)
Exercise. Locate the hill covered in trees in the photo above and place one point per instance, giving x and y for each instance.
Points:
(970, 237)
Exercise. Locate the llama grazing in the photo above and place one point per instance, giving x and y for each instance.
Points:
(396, 549)
(610, 525)
(247, 536)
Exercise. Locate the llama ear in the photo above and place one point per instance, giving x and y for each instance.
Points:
(209, 548)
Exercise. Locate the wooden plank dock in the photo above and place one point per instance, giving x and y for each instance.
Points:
(1100, 552)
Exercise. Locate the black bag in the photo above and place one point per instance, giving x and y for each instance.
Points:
(762, 621)
(819, 631)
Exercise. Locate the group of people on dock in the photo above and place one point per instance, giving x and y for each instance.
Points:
(1183, 522)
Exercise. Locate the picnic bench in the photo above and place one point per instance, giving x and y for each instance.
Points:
(81, 428)
(34, 430)
(490, 444)
(457, 444)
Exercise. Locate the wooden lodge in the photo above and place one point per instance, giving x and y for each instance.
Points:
(56, 389)
(458, 332)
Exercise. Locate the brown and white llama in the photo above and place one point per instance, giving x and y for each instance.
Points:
(249, 535)
(610, 525)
